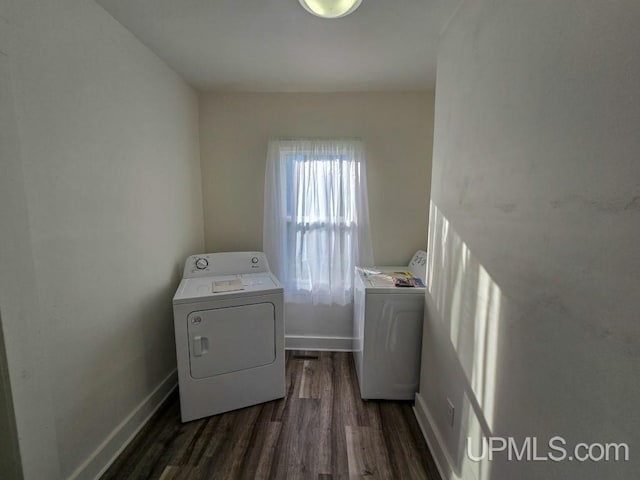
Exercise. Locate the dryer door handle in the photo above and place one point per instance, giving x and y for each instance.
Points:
(200, 346)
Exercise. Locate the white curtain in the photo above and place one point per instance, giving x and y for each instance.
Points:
(316, 218)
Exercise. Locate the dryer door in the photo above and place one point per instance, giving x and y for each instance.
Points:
(225, 340)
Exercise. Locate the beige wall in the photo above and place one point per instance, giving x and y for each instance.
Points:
(532, 326)
(396, 128)
(9, 455)
(101, 203)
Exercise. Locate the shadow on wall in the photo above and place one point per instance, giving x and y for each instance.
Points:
(9, 452)
(465, 305)
(136, 351)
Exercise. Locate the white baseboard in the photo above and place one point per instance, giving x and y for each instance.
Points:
(432, 437)
(332, 344)
(103, 456)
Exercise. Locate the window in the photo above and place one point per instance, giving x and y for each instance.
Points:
(316, 218)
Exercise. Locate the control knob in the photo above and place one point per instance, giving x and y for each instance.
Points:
(202, 263)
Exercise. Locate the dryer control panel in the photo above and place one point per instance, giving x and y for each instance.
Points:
(225, 263)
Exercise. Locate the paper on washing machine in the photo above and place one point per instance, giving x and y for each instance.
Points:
(227, 285)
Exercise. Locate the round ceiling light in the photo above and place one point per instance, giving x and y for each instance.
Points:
(330, 8)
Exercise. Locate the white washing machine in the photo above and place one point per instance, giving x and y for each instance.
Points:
(229, 324)
(387, 331)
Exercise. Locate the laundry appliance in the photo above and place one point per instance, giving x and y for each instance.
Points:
(387, 329)
(229, 328)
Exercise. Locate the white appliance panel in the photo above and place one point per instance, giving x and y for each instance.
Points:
(398, 335)
(418, 264)
(226, 340)
(229, 345)
(387, 332)
(390, 365)
(197, 289)
(359, 299)
(225, 263)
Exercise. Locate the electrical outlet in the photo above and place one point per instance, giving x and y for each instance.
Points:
(451, 412)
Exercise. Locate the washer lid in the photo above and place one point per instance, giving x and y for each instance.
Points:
(374, 282)
(200, 289)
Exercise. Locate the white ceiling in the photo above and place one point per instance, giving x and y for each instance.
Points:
(275, 45)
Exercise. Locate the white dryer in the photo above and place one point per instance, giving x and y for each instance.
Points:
(229, 326)
(387, 331)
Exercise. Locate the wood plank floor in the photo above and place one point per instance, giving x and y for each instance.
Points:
(321, 430)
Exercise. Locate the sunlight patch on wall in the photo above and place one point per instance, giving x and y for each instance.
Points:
(470, 303)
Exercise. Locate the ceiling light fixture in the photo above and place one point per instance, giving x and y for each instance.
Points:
(330, 8)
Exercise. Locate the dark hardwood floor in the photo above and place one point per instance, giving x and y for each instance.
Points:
(321, 430)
